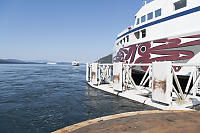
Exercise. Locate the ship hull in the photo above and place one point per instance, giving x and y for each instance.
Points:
(184, 49)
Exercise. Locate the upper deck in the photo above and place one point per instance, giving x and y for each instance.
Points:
(159, 11)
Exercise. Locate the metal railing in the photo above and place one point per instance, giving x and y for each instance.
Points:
(121, 78)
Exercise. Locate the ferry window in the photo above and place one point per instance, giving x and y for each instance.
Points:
(150, 16)
(124, 39)
(137, 34)
(180, 4)
(121, 42)
(158, 13)
(143, 33)
(138, 21)
(127, 37)
(143, 18)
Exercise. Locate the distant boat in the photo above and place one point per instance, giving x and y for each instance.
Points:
(75, 63)
(51, 63)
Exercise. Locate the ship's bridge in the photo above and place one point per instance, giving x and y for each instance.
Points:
(153, 12)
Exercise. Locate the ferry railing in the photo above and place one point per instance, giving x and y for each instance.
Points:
(105, 73)
(99, 73)
(191, 87)
(120, 77)
(128, 76)
(172, 80)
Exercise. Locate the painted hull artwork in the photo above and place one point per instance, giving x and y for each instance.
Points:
(177, 49)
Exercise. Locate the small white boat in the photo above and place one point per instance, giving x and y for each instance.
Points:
(75, 63)
(51, 63)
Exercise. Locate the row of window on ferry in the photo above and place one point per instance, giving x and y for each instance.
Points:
(137, 35)
(149, 16)
(177, 5)
(125, 39)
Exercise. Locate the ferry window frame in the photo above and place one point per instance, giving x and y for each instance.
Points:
(180, 4)
(138, 21)
(158, 13)
(143, 33)
(137, 34)
(150, 16)
(143, 19)
(127, 37)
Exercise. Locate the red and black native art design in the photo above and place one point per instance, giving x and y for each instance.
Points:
(165, 50)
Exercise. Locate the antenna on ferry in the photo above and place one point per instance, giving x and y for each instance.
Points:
(145, 2)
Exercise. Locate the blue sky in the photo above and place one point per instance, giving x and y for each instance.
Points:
(62, 30)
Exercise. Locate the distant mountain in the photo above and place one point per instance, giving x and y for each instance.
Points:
(106, 59)
(64, 63)
(39, 61)
(15, 61)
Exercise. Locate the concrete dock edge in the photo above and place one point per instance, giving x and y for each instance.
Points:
(74, 127)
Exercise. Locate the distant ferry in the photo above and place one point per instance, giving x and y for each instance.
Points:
(51, 63)
(164, 30)
(75, 63)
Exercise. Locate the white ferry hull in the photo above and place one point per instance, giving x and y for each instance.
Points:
(173, 37)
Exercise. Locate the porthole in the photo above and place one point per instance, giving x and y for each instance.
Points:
(143, 49)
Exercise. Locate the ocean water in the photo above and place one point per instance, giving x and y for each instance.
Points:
(45, 98)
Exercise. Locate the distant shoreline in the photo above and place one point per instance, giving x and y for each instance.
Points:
(19, 63)
(16, 61)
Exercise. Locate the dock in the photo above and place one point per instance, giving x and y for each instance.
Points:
(140, 122)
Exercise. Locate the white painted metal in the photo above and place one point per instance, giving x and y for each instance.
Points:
(90, 72)
(195, 86)
(141, 83)
(146, 81)
(94, 73)
(104, 73)
(178, 84)
(162, 71)
(87, 72)
(109, 74)
(177, 94)
(135, 95)
(127, 78)
(150, 77)
(189, 82)
(98, 75)
(162, 82)
(117, 76)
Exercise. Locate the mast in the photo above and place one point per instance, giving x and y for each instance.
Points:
(145, 2)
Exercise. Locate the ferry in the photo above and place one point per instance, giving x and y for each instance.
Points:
(75, 63)
(51, 63)
(164, 30)
(156, 61)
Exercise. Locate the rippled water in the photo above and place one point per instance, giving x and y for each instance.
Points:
(44, 98)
